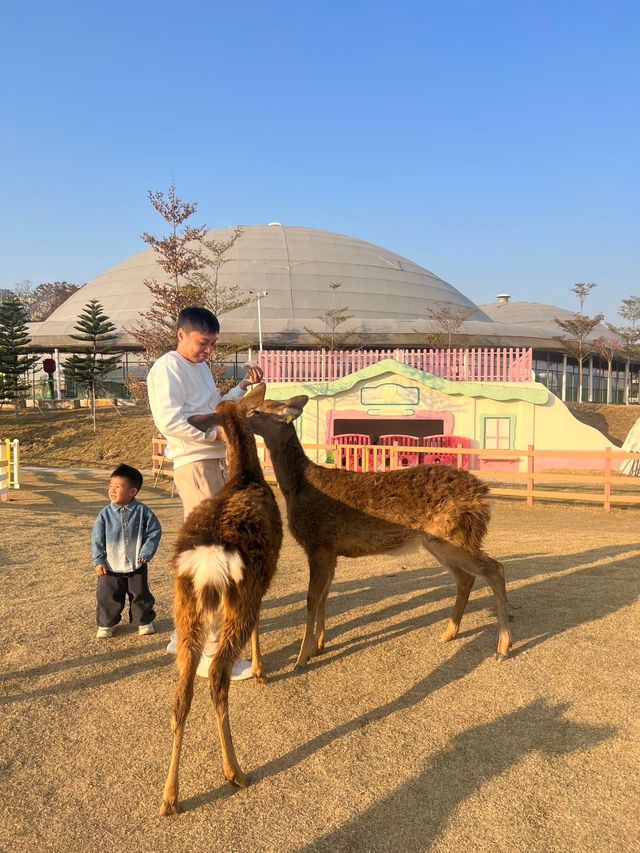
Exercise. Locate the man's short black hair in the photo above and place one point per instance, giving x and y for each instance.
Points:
(197, 319)
(130, 474)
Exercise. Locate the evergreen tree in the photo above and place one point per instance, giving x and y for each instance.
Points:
(15, 360)
(90, 368)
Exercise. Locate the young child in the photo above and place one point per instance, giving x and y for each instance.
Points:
(125, 537)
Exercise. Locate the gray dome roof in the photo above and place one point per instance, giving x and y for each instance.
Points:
(538, 318)
(385, 292)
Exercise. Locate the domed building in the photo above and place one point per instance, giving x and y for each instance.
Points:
(292, 269)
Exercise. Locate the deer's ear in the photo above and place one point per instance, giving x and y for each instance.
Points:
(292, 409)
(297, 402)
(204, 422)
(255, 397)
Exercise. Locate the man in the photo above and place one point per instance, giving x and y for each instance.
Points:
(180, 384)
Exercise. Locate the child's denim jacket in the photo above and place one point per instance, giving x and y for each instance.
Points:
(124, 535)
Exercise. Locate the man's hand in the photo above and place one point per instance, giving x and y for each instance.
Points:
(142, 561)
(252, 377)
(101, 570)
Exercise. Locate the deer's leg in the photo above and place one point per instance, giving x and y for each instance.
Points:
(464, 582)
(190, 640)
(320, 623)
(233, 636)
(322, 563)
(256, 656)
(481, 565)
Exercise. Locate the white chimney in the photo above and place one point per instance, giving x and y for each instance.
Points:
(503, 298)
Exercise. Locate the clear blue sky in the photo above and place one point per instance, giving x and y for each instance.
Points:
(495, 143)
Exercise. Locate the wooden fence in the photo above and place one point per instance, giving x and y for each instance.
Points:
(458, 365)
(606, 486)
(9, 466)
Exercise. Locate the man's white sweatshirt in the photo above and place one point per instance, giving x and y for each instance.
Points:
(178, 388)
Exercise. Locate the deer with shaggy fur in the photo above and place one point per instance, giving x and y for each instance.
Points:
(335, 513)
(224, 559)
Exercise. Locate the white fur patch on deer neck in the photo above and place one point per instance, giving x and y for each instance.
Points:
(211, 565)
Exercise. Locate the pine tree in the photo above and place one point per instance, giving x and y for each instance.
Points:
(90, 368)
(15, 360)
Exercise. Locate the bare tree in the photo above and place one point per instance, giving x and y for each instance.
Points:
(449, 318)
(629, 335)
(332, 339)
(582, 290)
(577, 329)
(179, 255)
(219, 298)
(193, 264)
(608, 349)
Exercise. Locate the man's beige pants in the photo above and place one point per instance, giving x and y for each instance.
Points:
(197, 481)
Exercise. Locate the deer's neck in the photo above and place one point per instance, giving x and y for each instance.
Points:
(243, 458)
(289, 459)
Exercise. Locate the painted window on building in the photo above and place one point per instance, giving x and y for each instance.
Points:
(498, 433)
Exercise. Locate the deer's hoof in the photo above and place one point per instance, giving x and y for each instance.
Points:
(447, 636)
(239, 779)
(170, 807)
(260, 679)
(500, 657)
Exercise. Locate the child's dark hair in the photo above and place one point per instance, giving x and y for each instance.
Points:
(130, 474)
(196, 319)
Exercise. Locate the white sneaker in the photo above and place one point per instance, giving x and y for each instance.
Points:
(143, 630)
(104, 633)
(172, 645)
(240, 672)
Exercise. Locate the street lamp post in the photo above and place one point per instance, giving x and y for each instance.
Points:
(258, 295)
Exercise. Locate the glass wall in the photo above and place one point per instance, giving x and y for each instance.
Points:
(548, 371)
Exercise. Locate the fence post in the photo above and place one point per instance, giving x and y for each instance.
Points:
(458, 456)
(607, 479)
(4, 473)
(7, 447)
(16, 463)
(530, 474)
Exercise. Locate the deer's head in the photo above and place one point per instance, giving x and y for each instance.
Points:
(228, 409)
(269, 418)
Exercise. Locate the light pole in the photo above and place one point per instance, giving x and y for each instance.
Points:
(258, 295)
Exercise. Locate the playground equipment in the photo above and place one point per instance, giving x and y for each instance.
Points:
(9, 466)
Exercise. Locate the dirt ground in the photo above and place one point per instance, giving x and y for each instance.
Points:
(390, 741)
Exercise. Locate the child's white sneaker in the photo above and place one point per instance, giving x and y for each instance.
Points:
(104, 633)
(240, 672)
(172, 645)
(143, 630)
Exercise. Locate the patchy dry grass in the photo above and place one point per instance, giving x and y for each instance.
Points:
(66, 439)
(614, 421)
(391, 740)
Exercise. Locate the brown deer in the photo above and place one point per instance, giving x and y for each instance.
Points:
(224, 559)
(335, 513)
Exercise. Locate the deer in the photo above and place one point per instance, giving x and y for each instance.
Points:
(223, 561)
(335, 512)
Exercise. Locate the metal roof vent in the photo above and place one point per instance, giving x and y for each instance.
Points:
(503, 298)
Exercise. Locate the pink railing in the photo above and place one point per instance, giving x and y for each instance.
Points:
(459, 365)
